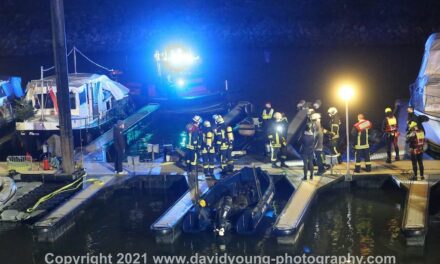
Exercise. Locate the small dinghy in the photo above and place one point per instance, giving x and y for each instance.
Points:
(236, 203)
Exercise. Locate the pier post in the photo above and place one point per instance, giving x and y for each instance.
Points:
(61, 72)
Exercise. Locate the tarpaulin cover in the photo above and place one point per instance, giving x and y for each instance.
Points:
(11, 86)
(426, 90)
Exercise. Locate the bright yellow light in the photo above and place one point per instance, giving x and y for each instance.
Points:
(346, 91)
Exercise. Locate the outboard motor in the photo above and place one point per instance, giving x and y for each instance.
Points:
(223, 213)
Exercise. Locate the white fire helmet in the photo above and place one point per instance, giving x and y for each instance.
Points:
(197, 119)
(315, 117)
(277, 116)
(207, 123)
(219, 119)
(332, 111)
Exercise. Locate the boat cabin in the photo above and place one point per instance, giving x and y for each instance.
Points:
(92, 96)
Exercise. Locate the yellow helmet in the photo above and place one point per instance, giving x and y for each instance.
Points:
(388, 110)
(202, 203)
(412, 125)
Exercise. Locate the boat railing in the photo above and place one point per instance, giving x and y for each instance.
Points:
(94, 120)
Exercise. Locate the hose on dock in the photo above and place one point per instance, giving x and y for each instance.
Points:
(69, 187)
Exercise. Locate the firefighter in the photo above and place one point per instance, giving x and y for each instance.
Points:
(333, 132)
(391, 133)
(225, 142)
(208, 149)
(360, 132)
(318, 134)
(192, 143)
(416, 141)
(277, 138)
(266, 119)
(267, 114)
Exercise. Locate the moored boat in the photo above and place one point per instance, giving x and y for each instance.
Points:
(94, 101)
(425, 92)
(237, 203)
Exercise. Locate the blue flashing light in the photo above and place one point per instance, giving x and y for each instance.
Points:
(180, 82)
(176, 58)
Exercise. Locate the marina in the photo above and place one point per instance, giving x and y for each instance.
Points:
(199, 132)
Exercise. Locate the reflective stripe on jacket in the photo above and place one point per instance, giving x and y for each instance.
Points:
(361, 136)
(389, 125)
(224, 137)
(266, 115)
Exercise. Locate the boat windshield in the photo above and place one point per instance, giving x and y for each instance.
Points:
(48, 103)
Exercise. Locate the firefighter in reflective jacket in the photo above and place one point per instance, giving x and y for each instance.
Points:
(333, 132)
(224, 139)
(416, 141)
(193, 143)
(391, 133)
(208, 149)
(277, 138)
(361, 147)
(266, 119)
(267, 113)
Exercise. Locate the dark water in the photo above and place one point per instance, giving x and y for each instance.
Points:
(358, 221)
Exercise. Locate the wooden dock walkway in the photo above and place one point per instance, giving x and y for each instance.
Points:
(289, 224)
(168, 226)
(55, 224)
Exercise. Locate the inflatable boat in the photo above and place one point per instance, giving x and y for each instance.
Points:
(237, 203)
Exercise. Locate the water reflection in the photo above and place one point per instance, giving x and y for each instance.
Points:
(354, 222)
(359, 222)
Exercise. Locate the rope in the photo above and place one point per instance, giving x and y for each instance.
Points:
(87, 58)
(70, 187)
(48, 69)
(96, 64)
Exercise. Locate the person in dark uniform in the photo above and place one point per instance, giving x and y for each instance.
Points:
(119, 145)
(391, 133)
(318, 133)
(416, 141)
(307, 150)
(360, 132)
(333, 132)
